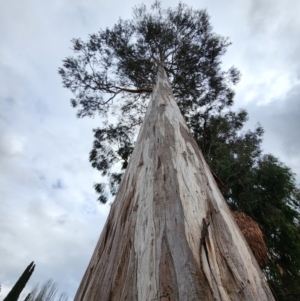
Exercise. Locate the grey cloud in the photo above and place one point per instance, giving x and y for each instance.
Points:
(276, 23)
(62, 219)
(261, 12)
(40, 139)
(269, 15)
(281, 121)
(58, 184)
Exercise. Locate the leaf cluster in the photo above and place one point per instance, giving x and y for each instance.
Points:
(112, 145)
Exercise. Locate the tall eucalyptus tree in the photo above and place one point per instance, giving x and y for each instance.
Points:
(113, 74)
(170, 234)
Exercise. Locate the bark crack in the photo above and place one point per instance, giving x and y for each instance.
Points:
(215, 289)
(204, 234)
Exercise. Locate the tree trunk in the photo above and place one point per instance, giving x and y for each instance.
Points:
(170, 234)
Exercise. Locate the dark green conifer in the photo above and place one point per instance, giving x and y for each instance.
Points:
(15, 292)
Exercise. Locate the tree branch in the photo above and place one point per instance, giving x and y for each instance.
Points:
(142, 90)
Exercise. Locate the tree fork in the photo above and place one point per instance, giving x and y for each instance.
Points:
(170, 234)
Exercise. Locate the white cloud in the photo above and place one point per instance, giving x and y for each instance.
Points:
(11, 145)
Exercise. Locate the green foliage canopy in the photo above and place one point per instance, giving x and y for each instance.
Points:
(113, 73)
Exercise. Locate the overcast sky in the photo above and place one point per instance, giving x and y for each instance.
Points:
(48, 209)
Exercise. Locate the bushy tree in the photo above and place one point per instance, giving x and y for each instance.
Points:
(260, 186)
(112, 74)
(274, 200)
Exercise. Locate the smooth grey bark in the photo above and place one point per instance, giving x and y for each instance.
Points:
(170, 234)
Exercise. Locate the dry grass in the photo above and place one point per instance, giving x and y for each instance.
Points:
(253, 235)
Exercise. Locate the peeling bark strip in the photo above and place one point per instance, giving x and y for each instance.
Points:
(170, 235)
